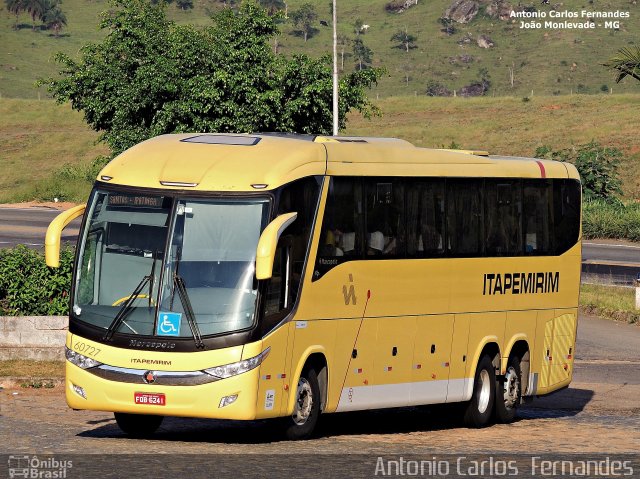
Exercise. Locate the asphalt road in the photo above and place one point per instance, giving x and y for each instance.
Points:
(614, 263)
(28, 226)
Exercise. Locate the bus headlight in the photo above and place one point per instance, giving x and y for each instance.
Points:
(80, 360)
(233, 369)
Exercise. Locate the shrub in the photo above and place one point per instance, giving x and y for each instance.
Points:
(611, 219)
(597, 165)
(435, 88)
(29, 287)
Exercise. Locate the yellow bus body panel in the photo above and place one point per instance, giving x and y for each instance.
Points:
(392, 332)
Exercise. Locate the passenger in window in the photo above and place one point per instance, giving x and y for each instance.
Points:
(389, 245)
(375, 243)
(348, 243)
(330, 244)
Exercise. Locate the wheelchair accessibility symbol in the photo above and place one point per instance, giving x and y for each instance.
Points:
(168, 324)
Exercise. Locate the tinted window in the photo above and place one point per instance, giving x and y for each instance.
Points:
(342, 226)
(300, 197)
(384, 199)
(537, 207)
(503, 218)
(464, 217)
(566, 214)
(425, 218)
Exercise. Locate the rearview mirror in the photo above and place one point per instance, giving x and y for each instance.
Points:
(266, 250)
(54, 234)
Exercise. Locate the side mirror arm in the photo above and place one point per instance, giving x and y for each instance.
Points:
(54, 234)
(266, 250)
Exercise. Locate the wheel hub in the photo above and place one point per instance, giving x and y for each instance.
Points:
(485, 391)
(304, 402)
(511, 388)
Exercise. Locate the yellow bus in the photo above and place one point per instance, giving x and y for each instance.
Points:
(284, 276)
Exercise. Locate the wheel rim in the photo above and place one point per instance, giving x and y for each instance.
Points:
(511, 388)
(304, 402)
(484, 391)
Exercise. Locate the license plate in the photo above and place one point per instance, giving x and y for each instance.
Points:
(151, 399)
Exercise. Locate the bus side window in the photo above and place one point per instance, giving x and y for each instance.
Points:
(566, 214)
(503, 218)
(275, 290)
(301, 197)
(537, 217)
(425, 218)
(341, 232)
(385, 222)
(464, 217)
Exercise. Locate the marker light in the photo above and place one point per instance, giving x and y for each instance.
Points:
(233, 369)
(80, 360)
(79, 391)
(225, 401)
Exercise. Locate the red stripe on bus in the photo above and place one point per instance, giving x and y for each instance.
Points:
(543, 172)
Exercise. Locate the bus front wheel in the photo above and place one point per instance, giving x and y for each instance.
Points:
(306, 410)
(509, 392)
(479, 410)
(138, 425)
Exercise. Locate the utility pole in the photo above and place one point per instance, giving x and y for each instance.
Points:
(335, 70)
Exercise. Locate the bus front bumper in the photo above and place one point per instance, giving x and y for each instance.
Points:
(85, 390)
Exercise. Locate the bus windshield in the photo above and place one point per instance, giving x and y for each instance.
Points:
(144, 256)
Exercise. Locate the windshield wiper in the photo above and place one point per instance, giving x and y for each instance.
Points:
(125, 309)
(188, 310)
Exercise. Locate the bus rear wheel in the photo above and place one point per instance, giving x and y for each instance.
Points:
(306, 410)
(509, 392)
(480, 408)
(138, 425)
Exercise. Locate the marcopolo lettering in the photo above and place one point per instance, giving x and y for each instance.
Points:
(521, 283)
(135, 343)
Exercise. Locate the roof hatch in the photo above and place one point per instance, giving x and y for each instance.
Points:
(237, 140)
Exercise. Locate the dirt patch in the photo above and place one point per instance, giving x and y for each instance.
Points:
(552, 107)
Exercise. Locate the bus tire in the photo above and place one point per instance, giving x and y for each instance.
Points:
(479, 409)
(138, 425)
(306, 410)
(509, 392)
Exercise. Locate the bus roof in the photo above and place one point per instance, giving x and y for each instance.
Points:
(247, 162)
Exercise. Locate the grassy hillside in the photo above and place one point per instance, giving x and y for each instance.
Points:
(549, 62)
(37, 138)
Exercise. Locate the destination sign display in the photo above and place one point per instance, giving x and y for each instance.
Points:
(138, 201)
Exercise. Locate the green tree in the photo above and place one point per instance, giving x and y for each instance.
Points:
(405, 40)
(150, 76)
(343, 43)
(37, 9)
(16, 7)
(598, 167)
(362, 53)
(55, 18)
(626, 62)
(447, 26)
(273, 6)
(357, 26)
(304, 19)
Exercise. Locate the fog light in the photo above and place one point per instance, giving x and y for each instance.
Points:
(225, 401)
(79, 391)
